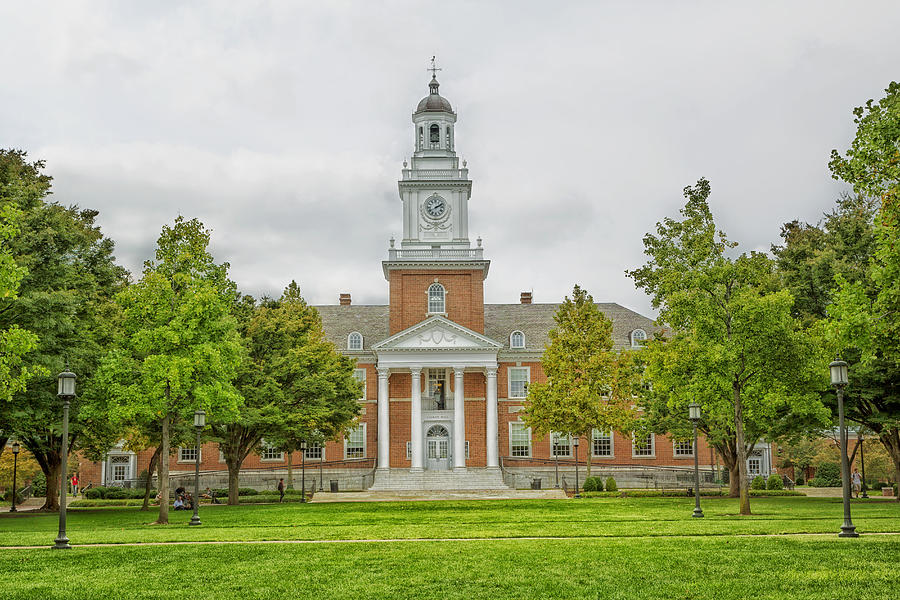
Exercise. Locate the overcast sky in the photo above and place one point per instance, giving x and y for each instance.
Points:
(283, 125)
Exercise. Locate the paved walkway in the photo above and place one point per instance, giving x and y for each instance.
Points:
(30, 504)
(444, 540)
(438, 495)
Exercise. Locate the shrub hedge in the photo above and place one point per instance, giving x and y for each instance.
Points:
(758, 483)
(611, 484)
(643, 493)
(774, 482)
(593, 484)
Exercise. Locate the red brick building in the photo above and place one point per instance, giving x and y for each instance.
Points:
(445, 374)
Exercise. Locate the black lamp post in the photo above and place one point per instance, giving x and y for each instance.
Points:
(694, 415)
(303, 471)
(65, 390)
(575, 443)
(199, 424)
(862, 462)
(839, 380)
(15, 449)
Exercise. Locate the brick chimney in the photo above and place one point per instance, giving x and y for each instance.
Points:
(525, 298)
(345, 299)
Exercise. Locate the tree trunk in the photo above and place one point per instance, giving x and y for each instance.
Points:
(729, 460)
(290, 473)
(150, 468)
(588, 452)
(890, 439)
(741, 450)
(53, 474)
(234, 469)
(164, 472)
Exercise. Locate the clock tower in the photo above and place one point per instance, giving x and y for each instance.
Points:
(435, 247)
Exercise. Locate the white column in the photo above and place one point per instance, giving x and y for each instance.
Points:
(384, 422)
(459, 420)
(492, 441)
(415, 427)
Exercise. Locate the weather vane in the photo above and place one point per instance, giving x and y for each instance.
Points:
(433, 69)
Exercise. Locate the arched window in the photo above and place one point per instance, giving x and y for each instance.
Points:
(355, 341)
(517, 339)
(449, 140)
(434, 135)
(436, 296)
(638, 337)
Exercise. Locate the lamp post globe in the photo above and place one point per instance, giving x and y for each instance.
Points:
(694, 415)
(65, 390)
(575, 443)
(839, 379)
(15, 451)
(199, 424)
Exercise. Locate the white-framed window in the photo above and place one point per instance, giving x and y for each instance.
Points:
(119, 467)
(754, 466)
(221, 456)
(270, 452)
(683, 448)
(467, 449)
(315, 451)
(560, 444)
(437, 296)
(519, 439)
(360, 376)
(355, 442)
(643, 445)
(519, 377)
(517, 339)
(355, 341)
(601, 443)
(638, 337)
(189, 454)
(408, 450)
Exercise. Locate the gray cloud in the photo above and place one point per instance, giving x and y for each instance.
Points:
(283, 125)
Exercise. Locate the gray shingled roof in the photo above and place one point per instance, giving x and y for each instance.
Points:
(500, 320)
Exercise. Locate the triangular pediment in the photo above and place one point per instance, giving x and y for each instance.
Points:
(437, 333)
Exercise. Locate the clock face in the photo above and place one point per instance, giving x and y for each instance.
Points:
(435, 207)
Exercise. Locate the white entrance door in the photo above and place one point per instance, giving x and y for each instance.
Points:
(437, 448)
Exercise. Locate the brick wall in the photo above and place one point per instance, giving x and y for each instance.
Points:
(464, 300)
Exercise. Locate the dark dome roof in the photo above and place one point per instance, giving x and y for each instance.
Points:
(434, 102)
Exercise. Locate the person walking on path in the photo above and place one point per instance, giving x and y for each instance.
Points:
(856, 481)
(75, 484)
(281, 490)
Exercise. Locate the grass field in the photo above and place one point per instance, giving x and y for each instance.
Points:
(612, 548)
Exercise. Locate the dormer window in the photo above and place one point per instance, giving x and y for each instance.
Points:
(436, 299)
(517, 339)
(638, 337)
(355, 341)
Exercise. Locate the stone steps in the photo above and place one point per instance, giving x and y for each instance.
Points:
(471, 479)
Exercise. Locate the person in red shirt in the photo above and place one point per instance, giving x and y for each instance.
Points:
(75, 484)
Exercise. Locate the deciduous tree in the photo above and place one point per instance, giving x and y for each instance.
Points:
(181, 348)
(589, 384)
(734, 346)
(293, 381)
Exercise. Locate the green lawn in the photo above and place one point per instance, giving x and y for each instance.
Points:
(615, 548)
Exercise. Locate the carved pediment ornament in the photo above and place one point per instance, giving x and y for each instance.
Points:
(436, 337)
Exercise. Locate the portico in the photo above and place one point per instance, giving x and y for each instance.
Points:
(445, 351)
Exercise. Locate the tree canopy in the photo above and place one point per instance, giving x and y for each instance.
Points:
(181, 349)
(733, 345)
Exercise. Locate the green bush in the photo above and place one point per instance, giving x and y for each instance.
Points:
(765, 493)
(774, 482)
(758, 483)
(39, 485)
(244, 491)
(593, 484)
(828, 474)
(93, 494)
(799, 479)
(611, 484)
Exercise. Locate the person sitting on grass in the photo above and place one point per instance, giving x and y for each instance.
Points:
(179, 503)
(210, 495)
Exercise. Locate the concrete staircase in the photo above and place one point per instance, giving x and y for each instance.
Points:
(401, 480)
